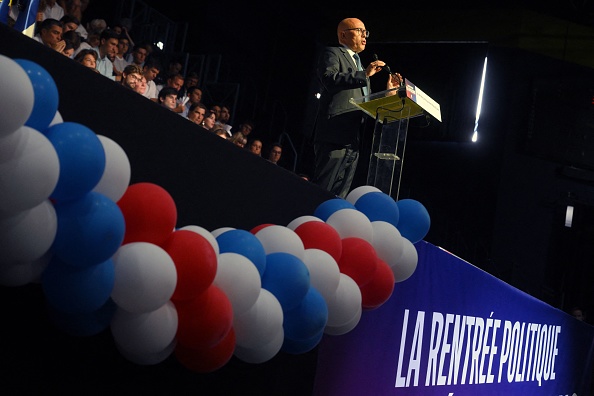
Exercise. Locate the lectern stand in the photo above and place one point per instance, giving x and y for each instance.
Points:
(392, 110)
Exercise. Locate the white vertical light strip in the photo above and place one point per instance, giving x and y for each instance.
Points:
(480, 102)
(568, 216)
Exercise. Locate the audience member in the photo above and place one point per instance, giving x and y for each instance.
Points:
(72, 43)
(578, 313)
(246, 128)
(87, 57)
(69, 22)
(167, 98)
(108, 46)
(131, 76)
(209, 120)
(120, 61)
(275, 153)
(238, 139)
(176, 81)
(217, 110)
(139, 54)
(191, 80)
(194, 96)
(141, 85)
(256, 147)
(223, 119)
(173, 67)
(196, 113)
(92, 41)
(122, 29)
(50, 34)
(222, 133)
(50, 9)
(74, 8)
(151, 69)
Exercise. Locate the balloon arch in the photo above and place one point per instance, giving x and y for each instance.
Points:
(107, 253)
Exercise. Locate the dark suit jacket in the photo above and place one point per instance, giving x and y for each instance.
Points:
(339, 121)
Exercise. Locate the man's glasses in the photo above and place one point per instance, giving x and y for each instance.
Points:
(362, 32)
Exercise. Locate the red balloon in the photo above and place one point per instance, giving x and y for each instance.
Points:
(204, 321)
(358, 260)
(149, 212)
(209, 359)
(195, 261)
(322, 236)
(379, 290)
(258, 228)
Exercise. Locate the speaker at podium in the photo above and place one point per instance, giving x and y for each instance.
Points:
(392, 109)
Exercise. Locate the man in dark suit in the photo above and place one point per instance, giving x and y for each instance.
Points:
(339, 122)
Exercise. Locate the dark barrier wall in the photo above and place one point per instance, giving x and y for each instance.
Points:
(213, 183)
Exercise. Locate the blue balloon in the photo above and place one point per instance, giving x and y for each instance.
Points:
(308, 318)
(414, 220)
(75, 290)
(300, 346)
(45, 94)
(81, 156)
(90, 230)
(83, 324)
(245, 243)
(287, 278)
(379, 206)
(327, 208)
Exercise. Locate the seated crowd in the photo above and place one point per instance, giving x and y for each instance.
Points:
(111, 52)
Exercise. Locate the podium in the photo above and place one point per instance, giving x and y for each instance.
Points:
(392, 109)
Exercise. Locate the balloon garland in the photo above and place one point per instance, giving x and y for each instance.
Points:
(107, 253)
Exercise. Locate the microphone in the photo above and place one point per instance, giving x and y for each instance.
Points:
(386, 67)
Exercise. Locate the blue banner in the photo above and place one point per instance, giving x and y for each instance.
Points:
(451, 329)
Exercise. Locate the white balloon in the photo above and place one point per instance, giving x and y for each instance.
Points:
(345, 303)
(358, 192)
(239, 279)
(29, 170)
(116, 176)
(259, 324)
(147, 359)
(300, 220)
(406, 264)
(324, 273)
(219, 231)
(351, 223)
(277, 239)
(145, 333)
(145, 277)
(387, 242)
(28, 235)
(17, 99)
(262, 353)
(206, 234)
(19, 273)
(57, 119)
(346, 327)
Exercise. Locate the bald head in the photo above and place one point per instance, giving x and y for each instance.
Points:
(350, 33)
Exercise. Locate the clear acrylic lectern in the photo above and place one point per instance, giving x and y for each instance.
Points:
(392, 110)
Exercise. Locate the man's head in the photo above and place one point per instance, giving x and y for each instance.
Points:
(151, 68)
(195, 94)
(197, 112)
(139, 54)
(175, 81)
(352, 33)
(50, 32)
(131, 76)
(224, 115)
(275, 153)
(108, 43)
(217, 110)
(167, 97)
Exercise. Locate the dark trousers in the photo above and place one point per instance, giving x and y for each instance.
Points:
(335, 167)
